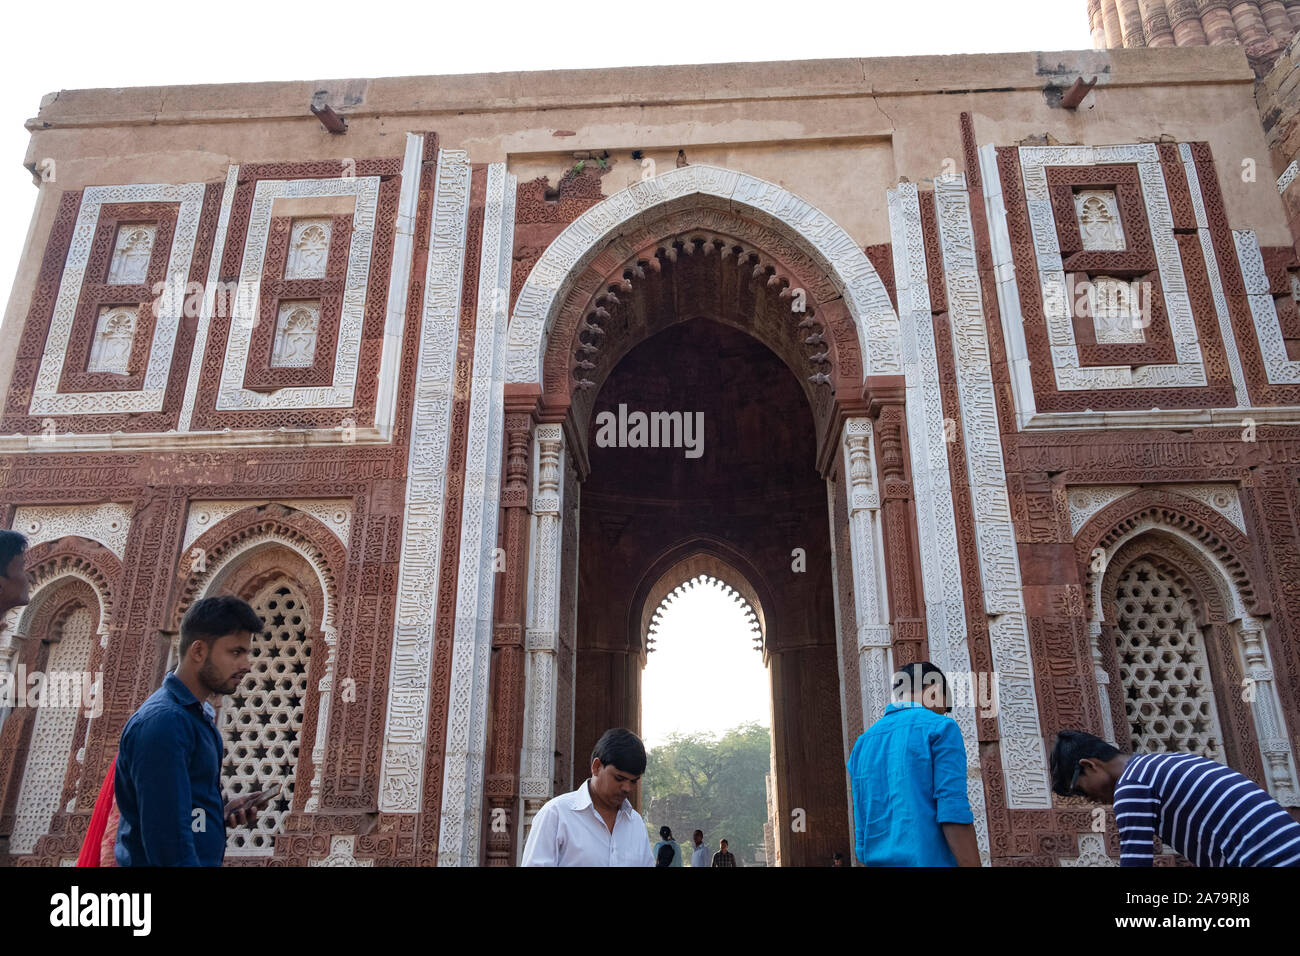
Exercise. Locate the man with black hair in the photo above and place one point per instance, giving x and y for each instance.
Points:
(168, 777)
(908, 772)
(15, 585)
(701, 856)
(1209, 813)
(595, 825)
(724, 857)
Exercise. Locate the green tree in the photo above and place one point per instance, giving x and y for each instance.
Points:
(715, 784)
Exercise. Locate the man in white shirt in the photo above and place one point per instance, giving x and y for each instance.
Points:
(595, 825)
(701, 855)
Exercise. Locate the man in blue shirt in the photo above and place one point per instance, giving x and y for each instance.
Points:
(167, 782)
(909, 779)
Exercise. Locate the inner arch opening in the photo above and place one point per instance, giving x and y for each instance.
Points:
(749, 509)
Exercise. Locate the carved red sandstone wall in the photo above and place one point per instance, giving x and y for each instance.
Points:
(32, 343)
(1039, 467)
(159, 486)
(258, 373)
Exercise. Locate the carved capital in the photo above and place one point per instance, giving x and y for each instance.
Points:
(550, 445)
(873, 636)
(857, 447)
(541, 641)
(515, 492)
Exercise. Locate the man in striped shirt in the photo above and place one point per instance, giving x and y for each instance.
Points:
(1209, 813)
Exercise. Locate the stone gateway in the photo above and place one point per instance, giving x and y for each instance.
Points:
(1007, 363)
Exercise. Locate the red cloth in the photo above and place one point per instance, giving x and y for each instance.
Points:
(99, 819)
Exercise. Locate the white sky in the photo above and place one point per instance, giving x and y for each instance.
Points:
(704, 673)
(151, 43)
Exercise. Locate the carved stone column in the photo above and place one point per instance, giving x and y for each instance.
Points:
(1155, 20)
(1130, 19)
(542, 631)
(865, 542)
(1186, 23)
(1102, 677)
(1096, 25)
(508, 640)
(1217, 21)
(1276, 21)
(1110, 21)
(1279, 769)
(1249, 22)
(906, 610)
(325, 688)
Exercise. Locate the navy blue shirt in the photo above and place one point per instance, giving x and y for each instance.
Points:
(168, 783)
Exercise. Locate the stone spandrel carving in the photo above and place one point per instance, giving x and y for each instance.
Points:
(296, 330)
(1092, 852)
(309, 244)
(110, 350)
(106, 523)
(1099, 220)
(548, 283)
(333, 513)
(131, 253)
(342, 853)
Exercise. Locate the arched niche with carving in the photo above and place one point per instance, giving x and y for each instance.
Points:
(288, 565)
(1160, 564)
(62, 633)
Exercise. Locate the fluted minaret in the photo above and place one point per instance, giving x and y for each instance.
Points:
(1263, 27)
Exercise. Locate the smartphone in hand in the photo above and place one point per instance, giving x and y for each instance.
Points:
(263, 797)
(249, 802)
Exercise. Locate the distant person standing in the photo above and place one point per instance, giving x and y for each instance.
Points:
(701, 856)
(595, 825)
(666, 840)
(724, 857)
(909, 779)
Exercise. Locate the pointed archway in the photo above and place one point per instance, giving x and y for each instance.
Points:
(765, 274)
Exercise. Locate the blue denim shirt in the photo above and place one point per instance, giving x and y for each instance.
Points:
(168, 767)
(909, 776)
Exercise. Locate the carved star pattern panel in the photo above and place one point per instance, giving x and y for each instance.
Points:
(262, 722)
(1169, 700)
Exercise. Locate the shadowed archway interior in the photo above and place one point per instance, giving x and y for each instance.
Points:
(754, 490)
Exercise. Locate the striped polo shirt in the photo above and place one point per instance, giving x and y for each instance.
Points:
(1209, 813)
